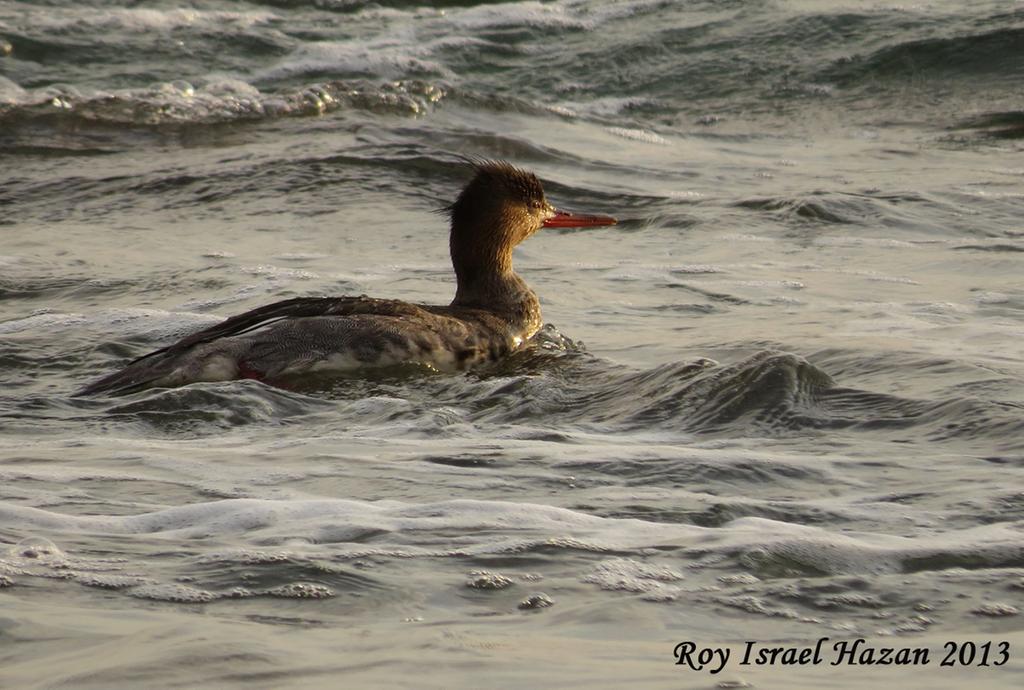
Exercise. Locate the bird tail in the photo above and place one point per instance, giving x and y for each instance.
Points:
(140, 373)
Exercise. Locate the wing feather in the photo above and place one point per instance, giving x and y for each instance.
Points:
(153, 365)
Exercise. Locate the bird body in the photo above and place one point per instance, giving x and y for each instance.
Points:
(492, 314)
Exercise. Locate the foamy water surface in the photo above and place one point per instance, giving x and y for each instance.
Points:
(782, 400)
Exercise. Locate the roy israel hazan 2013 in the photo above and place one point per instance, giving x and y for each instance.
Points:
(842, 653)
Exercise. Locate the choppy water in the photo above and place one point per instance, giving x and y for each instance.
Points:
(783, 399)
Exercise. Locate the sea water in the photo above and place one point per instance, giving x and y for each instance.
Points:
(781, 401)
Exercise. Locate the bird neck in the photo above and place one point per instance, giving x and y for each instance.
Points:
(485, 278)
(486, 283)
(504, 295)
(483, 263)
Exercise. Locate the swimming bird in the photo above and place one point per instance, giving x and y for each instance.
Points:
(493, 313)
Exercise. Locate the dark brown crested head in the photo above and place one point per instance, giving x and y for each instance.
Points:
(500, 207)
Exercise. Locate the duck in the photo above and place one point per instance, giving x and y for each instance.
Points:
(494, 312)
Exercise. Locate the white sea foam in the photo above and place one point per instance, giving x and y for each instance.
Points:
(10, 92)
(396, 54)
(341, 527)
(126, 322)
(143, 19)
(629, 575)
(605, 106)
(641, 135)
(280, 273)
(526, 14)
(222, 98)
(846, 241)
(42, 322)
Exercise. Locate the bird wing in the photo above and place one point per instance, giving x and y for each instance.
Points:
(297, 307)
(152, 366)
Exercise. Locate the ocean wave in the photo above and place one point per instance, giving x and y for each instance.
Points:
(966, 55)
(529, 14)
(388, 57)
(557, 385)
(74, 19)
(227, 100)
(237, 548)
(906, 212)
(993, 125)
(672, 62)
